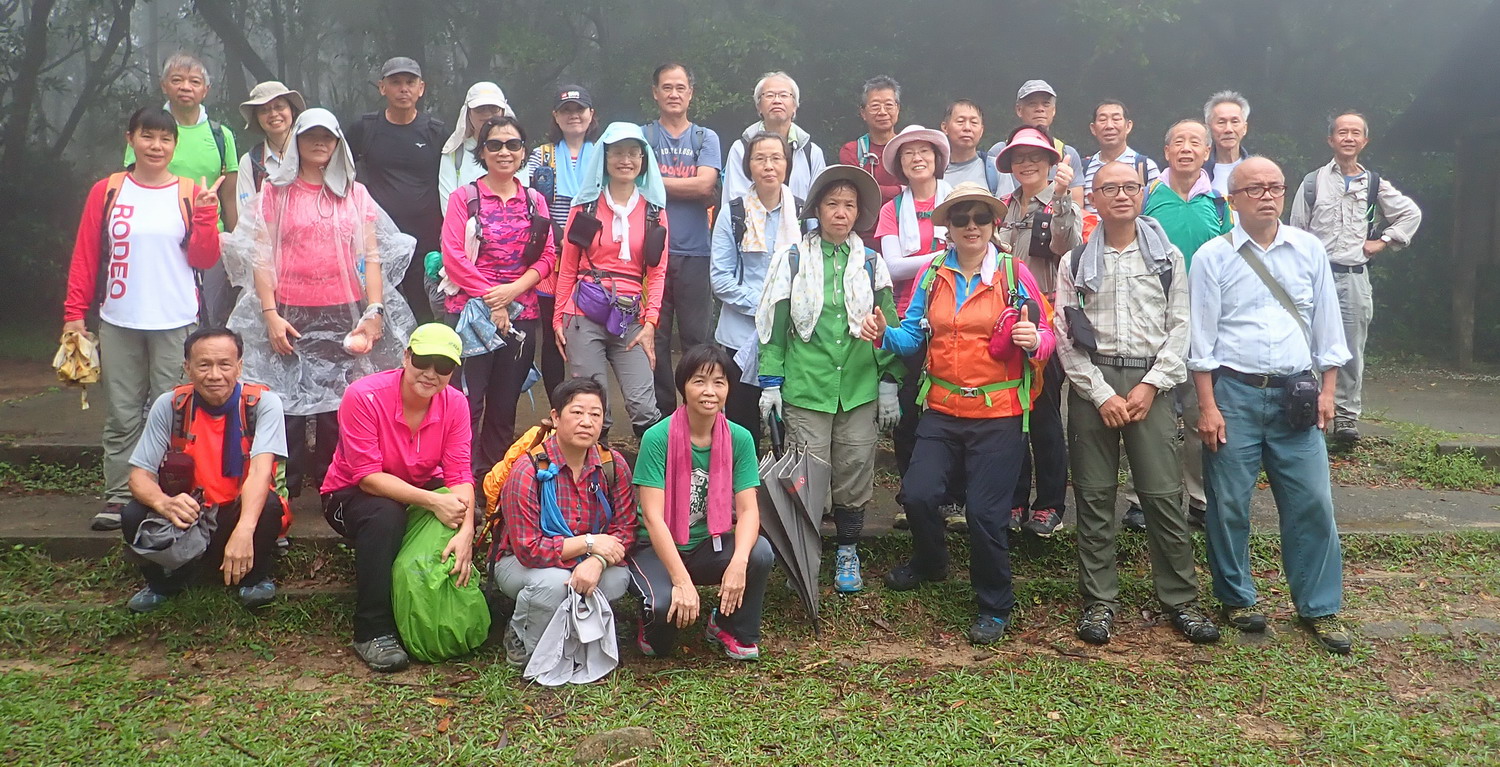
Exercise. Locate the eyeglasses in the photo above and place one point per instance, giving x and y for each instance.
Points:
(631, 153)
(1130, 189)
(1261, 191)
(1030, 157)
(978, 218)
(512, 145)
(437, 363)
(776, 95)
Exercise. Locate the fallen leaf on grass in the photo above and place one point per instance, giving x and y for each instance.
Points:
(956, 704)
(444, 724)
(1055, 716)
(440, 701)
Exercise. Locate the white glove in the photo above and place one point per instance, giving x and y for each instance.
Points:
(770, 402)
(888, 409)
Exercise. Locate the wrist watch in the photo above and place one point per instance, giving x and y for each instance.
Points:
(588, 541)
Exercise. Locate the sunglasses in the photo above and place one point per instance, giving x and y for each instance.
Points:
(437, 363)
(512, 144)
(979, 218)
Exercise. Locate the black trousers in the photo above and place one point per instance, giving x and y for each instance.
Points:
(267, 528)
(689, 301)
(554, 369)
(649, 579)
(1048, 453)
(986, 454)
(306, 467)
(375, 526)
(743, 406)
(493, 382)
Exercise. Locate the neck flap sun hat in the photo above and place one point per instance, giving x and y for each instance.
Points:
(1026, 136)
(480, 94)
(891, 157)
(436, 339)
(595, 178)
(968, 191)
(338, 176)
(866, 189)
(265, 93)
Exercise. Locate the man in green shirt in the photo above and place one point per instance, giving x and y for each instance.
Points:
(836, 391)
(205, 151)
(699, 517)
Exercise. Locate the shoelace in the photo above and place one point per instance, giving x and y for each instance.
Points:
(385, 644)
(1327, 624)
(1098, 616)
(1045, 516)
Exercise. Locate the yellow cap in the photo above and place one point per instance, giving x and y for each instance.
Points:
(437, 339)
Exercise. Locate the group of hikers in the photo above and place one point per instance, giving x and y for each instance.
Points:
(359, 308)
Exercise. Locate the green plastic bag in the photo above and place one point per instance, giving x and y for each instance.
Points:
(437, 620)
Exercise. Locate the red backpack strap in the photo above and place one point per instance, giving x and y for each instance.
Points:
(182, 417)
(249, 400)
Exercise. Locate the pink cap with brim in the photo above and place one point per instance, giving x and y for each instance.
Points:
(1026, 137)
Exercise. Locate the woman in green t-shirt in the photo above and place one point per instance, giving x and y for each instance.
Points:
(700, 520)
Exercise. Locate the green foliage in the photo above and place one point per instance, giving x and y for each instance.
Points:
(42, 477)
(1412, 458)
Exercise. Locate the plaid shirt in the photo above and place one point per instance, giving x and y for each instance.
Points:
(1131, 316)
(520, 504)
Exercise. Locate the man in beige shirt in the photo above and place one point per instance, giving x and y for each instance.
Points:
(1334, 202)
(1122, 319)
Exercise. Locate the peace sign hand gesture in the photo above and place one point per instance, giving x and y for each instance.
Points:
(207, 195)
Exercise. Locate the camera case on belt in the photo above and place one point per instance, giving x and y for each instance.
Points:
(1300, 400)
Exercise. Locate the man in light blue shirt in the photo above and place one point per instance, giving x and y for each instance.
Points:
(1245, 345)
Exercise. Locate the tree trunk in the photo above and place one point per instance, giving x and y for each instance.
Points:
(27, 85)
(98, 74)
(219, 19)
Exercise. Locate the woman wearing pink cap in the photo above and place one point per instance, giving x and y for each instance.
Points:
(1042, 222)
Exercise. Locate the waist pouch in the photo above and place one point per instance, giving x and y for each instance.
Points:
(1002, 348)
(536, 240)
(1300, 400)
(176, 476)
(604, 306)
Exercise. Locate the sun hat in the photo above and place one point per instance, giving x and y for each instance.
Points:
(866, 189)
(265, 93)
(968, 191)
(1026, 135)
(437, 339)
(891, 157)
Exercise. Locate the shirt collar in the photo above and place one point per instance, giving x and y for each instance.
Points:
(1202, 186)
(1238, 237)
(554, 452)
(486, 191)
(987, 267)
(1333, 167)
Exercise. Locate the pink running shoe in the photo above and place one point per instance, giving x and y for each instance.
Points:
(733, 648)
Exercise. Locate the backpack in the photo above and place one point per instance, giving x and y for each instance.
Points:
(217, 130)
(250, 393)
(654, 136)
(796, 257)
(1165, 277)
(737, 218)
(258, 172)
(538, 229)
(530, 444)
(112, 191)
(1221, 205)
(653, 245)
(991, 173)
(1374, 217)
(544, 178)
(862, 153)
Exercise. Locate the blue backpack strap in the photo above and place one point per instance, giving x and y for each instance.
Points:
(991, 173)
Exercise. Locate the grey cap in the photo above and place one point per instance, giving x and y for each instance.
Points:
(1035, 86)
(398, 65)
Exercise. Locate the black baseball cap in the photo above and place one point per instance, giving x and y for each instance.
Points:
(400, 65)
(575, 94)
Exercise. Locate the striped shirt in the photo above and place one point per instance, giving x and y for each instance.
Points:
(1129, 157)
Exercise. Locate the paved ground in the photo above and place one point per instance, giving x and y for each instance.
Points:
(37, 421)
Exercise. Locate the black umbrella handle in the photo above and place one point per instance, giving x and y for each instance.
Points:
(778, 434)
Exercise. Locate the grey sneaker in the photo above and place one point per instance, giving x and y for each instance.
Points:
(108, 519)
(954, 519)
(383, 653)
(146, 600)
(515, 649)
(1346, 430)
(1331, 633)
(1249, 618)
(258, 594)
(1135, 518)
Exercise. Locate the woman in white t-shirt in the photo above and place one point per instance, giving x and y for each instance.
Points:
(270, 110)
(141, 235)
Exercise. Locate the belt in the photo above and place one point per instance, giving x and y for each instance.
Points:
(1258, 380)
(1145, 363)
(1341, 269)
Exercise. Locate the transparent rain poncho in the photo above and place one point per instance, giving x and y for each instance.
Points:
(315, 249)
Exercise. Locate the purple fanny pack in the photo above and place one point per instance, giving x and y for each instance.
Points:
(603, 306)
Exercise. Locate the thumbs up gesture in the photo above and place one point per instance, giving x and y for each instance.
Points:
(873, 328)
(1065, 173)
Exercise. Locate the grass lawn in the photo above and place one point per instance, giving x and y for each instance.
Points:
(891, 681)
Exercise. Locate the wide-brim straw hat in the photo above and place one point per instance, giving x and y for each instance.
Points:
(968, 191)
(865, 186)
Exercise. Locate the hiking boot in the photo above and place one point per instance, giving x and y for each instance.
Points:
(515, 649)
(1018, 517)
(258, 594)
(1249, 619)
(1135, 518)
(1346, 430)
(1197, 516)
(954, 520)
(1331, 633)
(905, 578)
(734, 649)
(901, 522)
(109, 518)
(846, 577)
(383, 653)
(640, 641)
(1097, 624)
(987, 629)
(1193, 622)
(146, 600)
(1043, 522)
